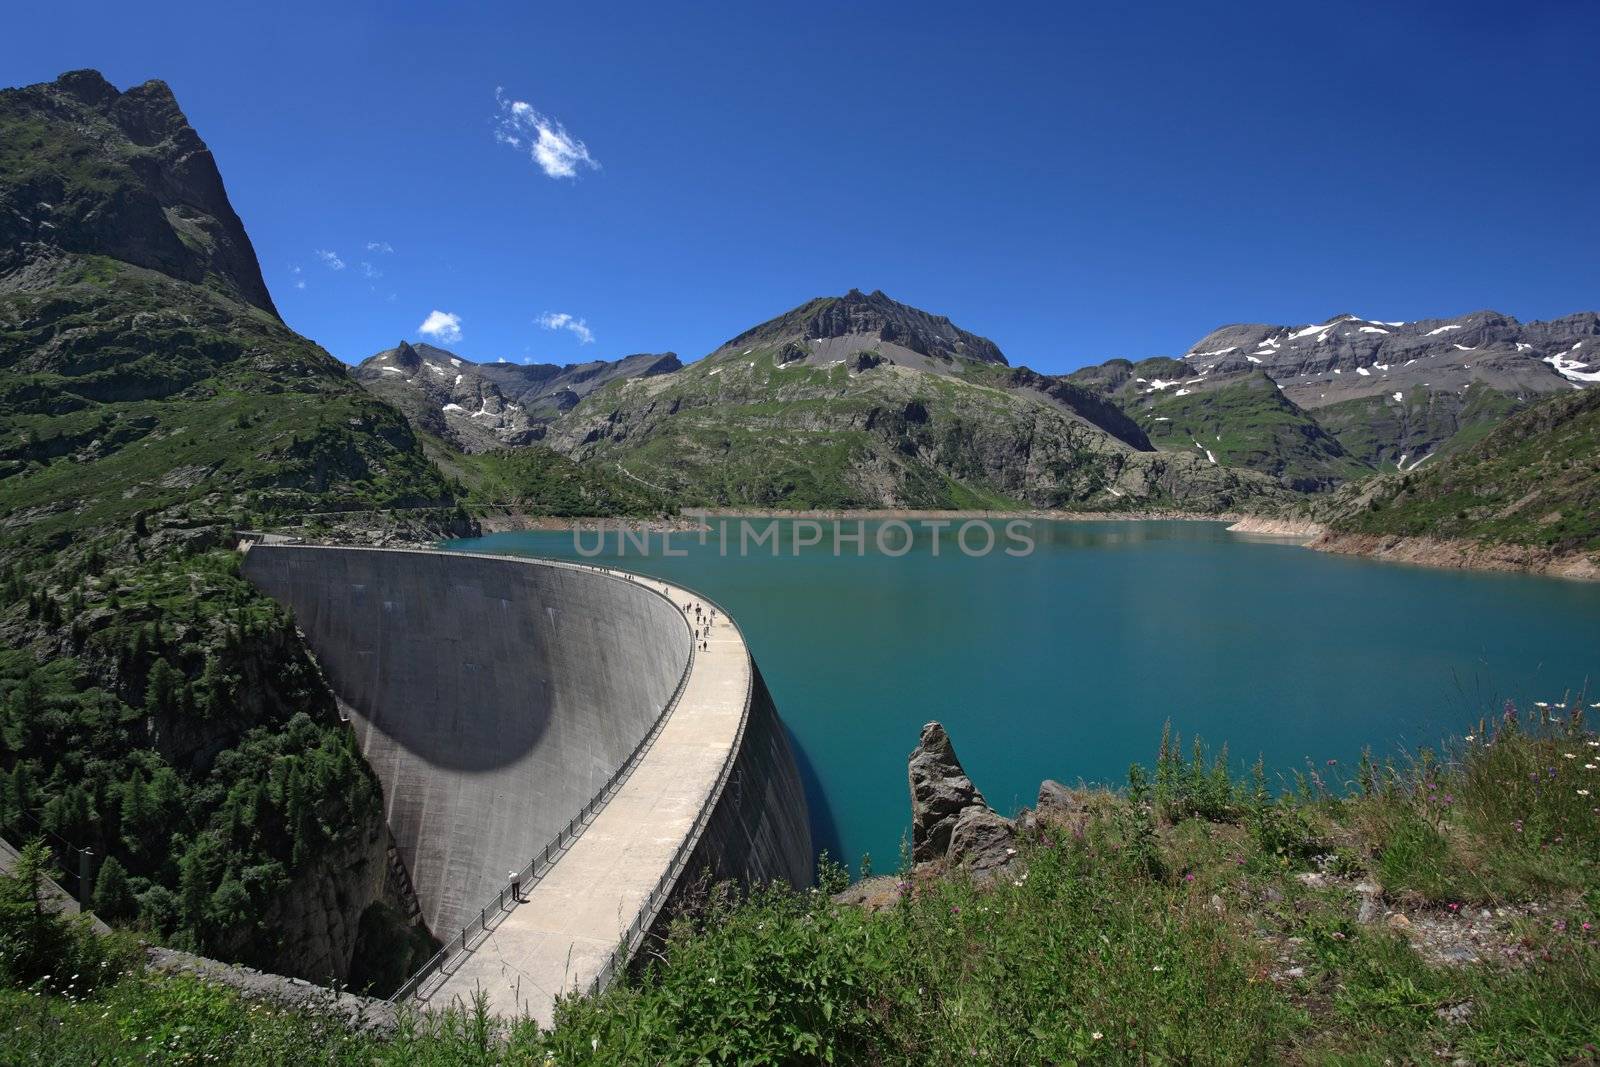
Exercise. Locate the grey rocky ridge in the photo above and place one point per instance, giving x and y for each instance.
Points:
(133, 182)
(483, 406)
(1337, 400)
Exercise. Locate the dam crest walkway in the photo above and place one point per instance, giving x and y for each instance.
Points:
(602, 887)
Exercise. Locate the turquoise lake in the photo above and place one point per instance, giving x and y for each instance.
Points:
(1066, 662)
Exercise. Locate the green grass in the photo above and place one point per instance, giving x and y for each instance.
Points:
(1175, 921)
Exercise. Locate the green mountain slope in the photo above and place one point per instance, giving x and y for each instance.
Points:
(1238, 415)
(859, 401)
(1248, 422)
(1532, 480)
(1398, 434)
(153, 707)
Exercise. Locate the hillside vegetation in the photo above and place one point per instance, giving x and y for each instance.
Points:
(1444, 909)
(154, 708)
(1532, 480)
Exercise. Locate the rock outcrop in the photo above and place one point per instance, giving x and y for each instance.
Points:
(951, 823)
(120, 174)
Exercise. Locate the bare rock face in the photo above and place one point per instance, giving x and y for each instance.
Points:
(119, 174)
(950, 820)
(940, 792)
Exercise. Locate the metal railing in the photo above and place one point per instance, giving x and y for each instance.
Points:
(540, 863)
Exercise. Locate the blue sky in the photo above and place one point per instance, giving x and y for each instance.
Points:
(1074, 181)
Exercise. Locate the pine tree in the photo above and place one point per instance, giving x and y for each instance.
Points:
(113, 895)
(139, 815)
(161, 692)
(34, 937)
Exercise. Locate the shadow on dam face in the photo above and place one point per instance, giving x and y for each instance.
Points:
(492, 697)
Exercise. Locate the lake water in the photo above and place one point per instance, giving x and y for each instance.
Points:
(1066, 662)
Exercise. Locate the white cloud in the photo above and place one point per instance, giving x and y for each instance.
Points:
(299, 276)
(369, 270)
(560, 320)
(557, 152)
(380, 246)
(330, 259)
(441, 326)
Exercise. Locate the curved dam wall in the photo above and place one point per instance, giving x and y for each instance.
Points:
(493, 697)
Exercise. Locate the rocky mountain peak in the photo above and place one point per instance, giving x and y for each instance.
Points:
(868, 319)
(87, 169)
(88, 86)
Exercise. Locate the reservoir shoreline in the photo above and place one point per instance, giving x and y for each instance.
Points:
(1422, 551)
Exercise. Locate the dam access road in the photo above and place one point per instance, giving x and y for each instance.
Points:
(498, 698)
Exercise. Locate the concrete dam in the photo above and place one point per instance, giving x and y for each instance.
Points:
(578, 726)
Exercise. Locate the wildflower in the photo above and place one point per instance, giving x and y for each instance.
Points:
(1583, 792)
(1188, 877)
(1590, 766)
(1470, 737)
(1569, 755)
(1096, 1036)
(594, 1044)
(1541, 703)
(1158, 968)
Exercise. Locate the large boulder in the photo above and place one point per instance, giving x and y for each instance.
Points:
(951, 823)
(940, 792)
(982, 842)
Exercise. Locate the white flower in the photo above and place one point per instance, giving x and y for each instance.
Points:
(1583, 792)
(594, 1044)
(1471, 738)
(1096, 1036)
(1589, 766)
(1569, 755)
(1541, 704)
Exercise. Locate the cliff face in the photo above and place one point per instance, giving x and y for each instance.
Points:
(122, 174)
(318, 921)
